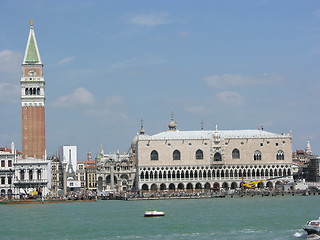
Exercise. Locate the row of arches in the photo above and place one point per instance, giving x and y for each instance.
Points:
(203, 186)
(176, 155)
(32, 91)
(5, 193)
(108, 179)
(30, 173)
(210, 174)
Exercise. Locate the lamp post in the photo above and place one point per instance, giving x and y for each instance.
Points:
(64, 174)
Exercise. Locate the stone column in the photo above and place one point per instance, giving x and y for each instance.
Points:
(111, 178)
(64, 178)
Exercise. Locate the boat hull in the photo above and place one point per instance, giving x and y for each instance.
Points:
(311, 231)
(153, 214)
(156, 215)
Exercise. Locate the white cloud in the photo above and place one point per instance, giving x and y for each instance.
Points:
(228, 80)
(9, 92)
(79, 97)
(230, 98)
(10, 61)
(151, 20)
(107, 110)
(66, 60)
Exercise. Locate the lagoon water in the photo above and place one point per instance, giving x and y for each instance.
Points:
(263, 218)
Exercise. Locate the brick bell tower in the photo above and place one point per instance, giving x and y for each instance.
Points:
(32, 100)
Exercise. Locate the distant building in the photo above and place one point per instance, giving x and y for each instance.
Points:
(86, 173)
(7, 158)
(115, 172)
(91, 175)
(68, 159)
(211, 159)
(56, 175)
(81, 175)
(307, 164)
(302, 157)
(312, 172)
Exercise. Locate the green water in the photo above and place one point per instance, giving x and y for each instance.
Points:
(218, 218)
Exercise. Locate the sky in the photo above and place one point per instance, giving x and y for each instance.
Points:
(108, 64)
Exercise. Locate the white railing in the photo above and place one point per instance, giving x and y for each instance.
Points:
(30, 181)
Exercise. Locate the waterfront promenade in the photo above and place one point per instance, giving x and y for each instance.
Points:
(217, 194)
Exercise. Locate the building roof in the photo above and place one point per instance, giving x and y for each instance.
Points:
(91, 166)
(8, 150)
(88, 162)
(209, 134)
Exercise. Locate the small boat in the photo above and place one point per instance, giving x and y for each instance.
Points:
(313, 227)
(153, 214)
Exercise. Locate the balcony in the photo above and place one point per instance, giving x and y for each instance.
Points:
(30, 182)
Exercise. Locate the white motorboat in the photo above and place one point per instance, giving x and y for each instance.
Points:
(153, 214)
(312, 227)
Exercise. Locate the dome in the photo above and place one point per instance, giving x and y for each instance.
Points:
(308, 148)
(172, 125)
(134, 141)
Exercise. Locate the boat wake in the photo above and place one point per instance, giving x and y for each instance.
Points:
(306, 236)
(300, 235)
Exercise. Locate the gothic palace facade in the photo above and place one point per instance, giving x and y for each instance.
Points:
(203, 160)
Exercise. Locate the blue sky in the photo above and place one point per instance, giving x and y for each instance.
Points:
(108, 64)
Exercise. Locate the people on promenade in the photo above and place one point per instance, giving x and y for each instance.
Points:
(74, 195)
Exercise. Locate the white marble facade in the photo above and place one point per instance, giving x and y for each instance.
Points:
(211, 159)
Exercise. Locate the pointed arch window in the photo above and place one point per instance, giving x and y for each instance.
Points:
(22, 175)
(257, 155)
(154, 156)
(217, 157)
(30, 175)
(280, 155)
(199, 154)
(176, 155)
(235, 154)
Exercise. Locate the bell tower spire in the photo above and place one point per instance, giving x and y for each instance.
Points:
(32, 52)
(32, 101)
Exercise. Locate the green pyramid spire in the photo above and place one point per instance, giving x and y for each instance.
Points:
(32, 53)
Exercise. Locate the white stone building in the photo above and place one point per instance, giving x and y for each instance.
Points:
(211, 159)
(68, 157)
(115, 172)
(7, 158)
(32, 175)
